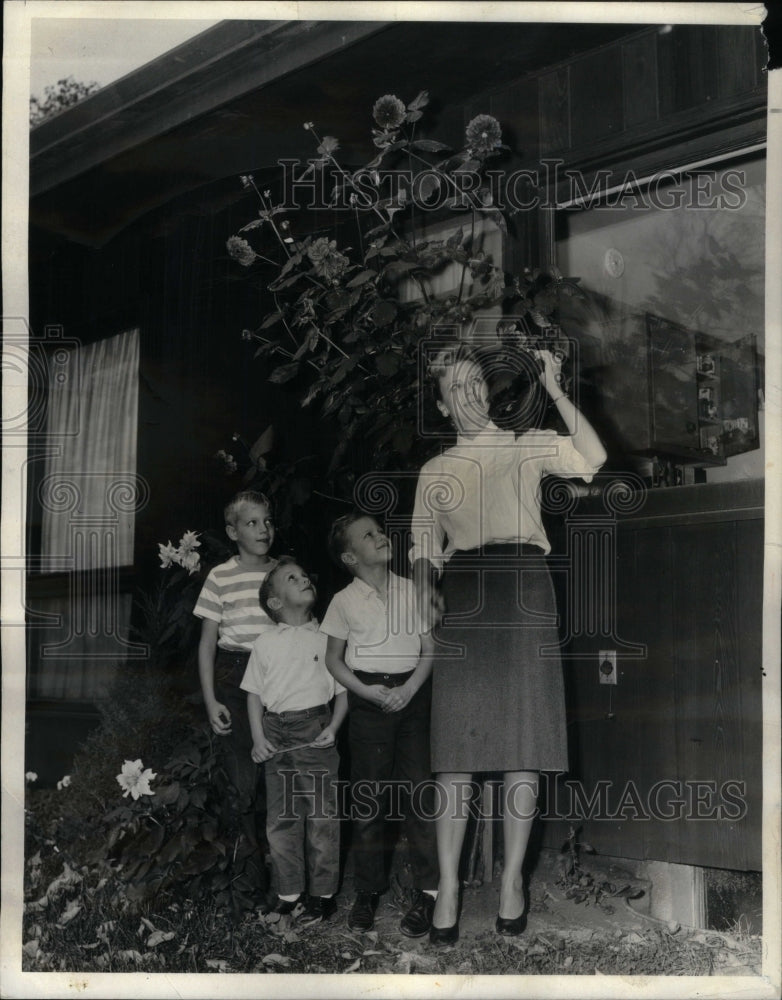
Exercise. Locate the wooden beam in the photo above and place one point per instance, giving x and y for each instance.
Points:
(231, 59)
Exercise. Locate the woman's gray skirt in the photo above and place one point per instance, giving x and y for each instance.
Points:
(498, 699)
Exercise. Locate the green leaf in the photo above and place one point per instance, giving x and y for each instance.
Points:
(263, 445)
(430, 184)
(278, 286)
(419, 101)
(201, 860)
(271, 319)
(384, 311)
(331, 403)
(398, 267)
(168, 794)
(253, 225)
(152, 842)
(361, 278)
(378, 230)
(167, 633)
(309, 343)
(328, 145)
(388, 364)
(413, 116)
(456, 239)
(312, 392)
(170, 851)
(429, 145)
(290, 263)
(265, 349)
(198, 797)
(345, 366)
(220, 880)
(284, 373)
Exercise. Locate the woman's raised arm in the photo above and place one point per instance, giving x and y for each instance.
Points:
(585, 439)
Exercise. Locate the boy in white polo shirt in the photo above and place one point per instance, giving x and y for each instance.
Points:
(380, 651)
(294, 732)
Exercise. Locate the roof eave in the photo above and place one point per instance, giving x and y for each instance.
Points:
(216, 66)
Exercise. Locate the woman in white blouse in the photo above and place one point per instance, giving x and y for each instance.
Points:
(478, 547)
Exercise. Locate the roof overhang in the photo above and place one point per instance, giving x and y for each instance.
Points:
(234, 98)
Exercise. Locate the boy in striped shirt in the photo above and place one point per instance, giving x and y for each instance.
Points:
(231, 620)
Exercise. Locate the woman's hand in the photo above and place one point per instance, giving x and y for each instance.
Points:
(583, 435)
(551, 376)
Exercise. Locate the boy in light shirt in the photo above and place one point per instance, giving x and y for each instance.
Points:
(231, 620)
(381, 651)
(294, 732)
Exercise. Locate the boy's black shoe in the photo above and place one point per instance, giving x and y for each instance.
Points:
(362, 916)
(281, 906)
(316, 910)
(418, 919)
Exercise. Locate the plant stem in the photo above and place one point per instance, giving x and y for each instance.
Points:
(343, 173)
(271, 219)
(282, 351)
(338, 348)
(327, 496)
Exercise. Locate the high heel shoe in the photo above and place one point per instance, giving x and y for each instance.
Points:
(513, 927)
(447, 935)
(444, 935)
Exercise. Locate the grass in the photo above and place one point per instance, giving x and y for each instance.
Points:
(82, 922)
(78, 918)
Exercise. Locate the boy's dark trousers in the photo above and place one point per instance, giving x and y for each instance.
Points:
(391, 747)
(246, 797)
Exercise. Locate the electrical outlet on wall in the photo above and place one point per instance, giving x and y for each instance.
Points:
(606, 660)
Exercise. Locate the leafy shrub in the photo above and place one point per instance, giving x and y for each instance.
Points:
(142, 715)
(183, 838)
(345, 318)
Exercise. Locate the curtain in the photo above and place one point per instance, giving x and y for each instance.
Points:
(93, 417)
(89, 496)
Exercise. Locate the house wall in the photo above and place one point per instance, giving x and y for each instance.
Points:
(681, 580)
(172, 279)
(652, 102)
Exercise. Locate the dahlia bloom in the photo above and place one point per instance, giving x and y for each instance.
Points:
(240, 250)
(483, 135)
(388, 111)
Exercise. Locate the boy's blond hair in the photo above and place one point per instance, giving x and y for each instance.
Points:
(231, 511)
(338, 536)
(266, 590)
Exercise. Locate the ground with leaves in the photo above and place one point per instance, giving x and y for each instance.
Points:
(82, 921)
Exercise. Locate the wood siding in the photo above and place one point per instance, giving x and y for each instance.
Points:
(689, 585)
